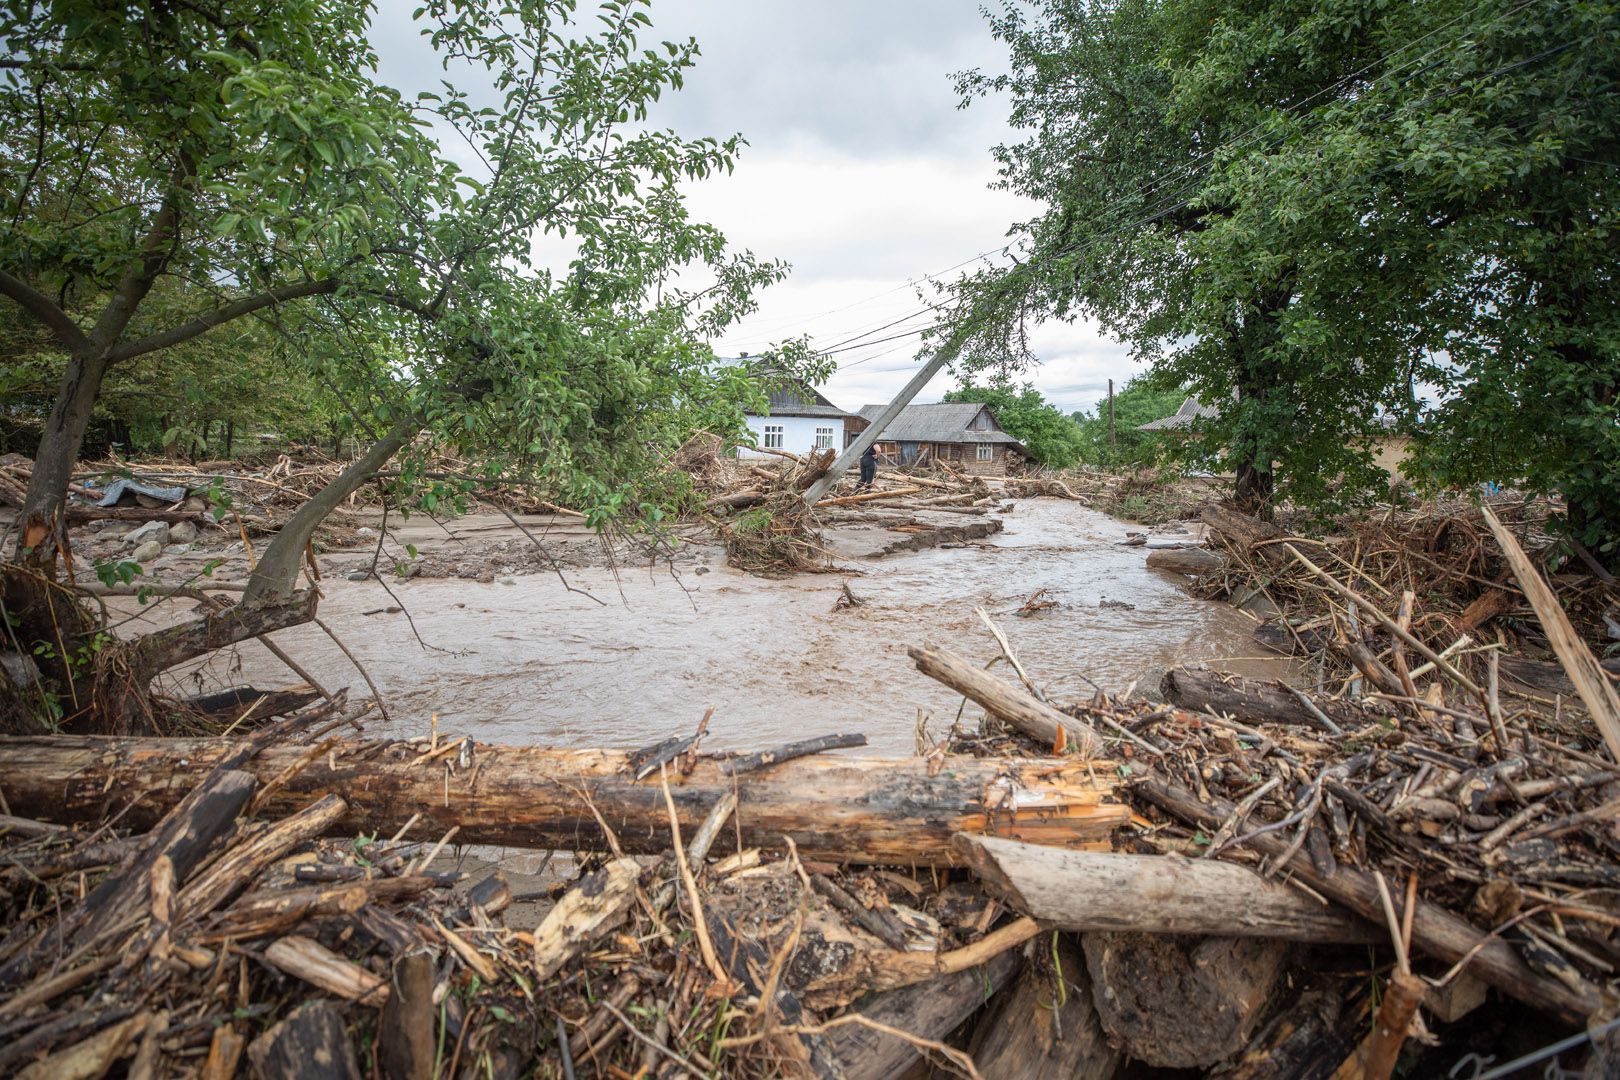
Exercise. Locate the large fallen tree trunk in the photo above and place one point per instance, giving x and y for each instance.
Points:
(851, 809)
(1156, 894)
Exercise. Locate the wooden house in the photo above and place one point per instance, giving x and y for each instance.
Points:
(963, 435)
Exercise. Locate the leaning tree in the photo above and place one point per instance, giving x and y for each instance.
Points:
(543, 303)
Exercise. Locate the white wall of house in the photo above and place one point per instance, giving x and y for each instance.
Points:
(795, 434)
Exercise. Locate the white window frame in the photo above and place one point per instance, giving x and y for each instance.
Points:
(824, 438)
(773, 437)
(986, 452)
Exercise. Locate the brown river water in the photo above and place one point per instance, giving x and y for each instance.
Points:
(522, 660)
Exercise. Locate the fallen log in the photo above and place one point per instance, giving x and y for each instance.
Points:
(835, 808)
(1549, 677)
(1189, 560)
(1248, 534)
(1035, 1031)
(1254, 702)
(869, 496)
(1156, 894)
(1434, 930)
(926, 1011)
(1001, 699)
(1182, 1002)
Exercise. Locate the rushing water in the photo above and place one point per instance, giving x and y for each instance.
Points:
(526, 661)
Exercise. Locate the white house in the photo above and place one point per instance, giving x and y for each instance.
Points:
(800, 420)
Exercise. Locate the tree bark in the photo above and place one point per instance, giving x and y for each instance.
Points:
(838, 809)
(276, 576)
(1036, 1030)
(1155, 894)
(1253, 702)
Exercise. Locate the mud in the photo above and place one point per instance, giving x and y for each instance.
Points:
(635, 654)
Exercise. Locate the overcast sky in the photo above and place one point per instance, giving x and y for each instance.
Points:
(860, 171)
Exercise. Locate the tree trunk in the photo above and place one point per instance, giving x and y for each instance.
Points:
(42, 530)
(1044, 1027)
(834, 808)
(276, 576)
(1255, 702)
(1155, 894)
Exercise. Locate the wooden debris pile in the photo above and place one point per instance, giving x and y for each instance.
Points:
(1244, 878)
(1464, 595)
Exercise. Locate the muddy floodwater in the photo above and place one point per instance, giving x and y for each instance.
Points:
(522, 660)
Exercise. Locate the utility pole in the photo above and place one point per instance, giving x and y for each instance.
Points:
(1110, 414)
(853, 452)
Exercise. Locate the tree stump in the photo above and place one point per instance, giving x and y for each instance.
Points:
(1181, 1002)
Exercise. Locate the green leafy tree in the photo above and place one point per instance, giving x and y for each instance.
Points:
(1053, 439)
(1137, 402)
(253, 156)
(1132, 141)
(1452, 217)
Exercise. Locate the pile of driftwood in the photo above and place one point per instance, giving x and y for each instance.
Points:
(1249, 878)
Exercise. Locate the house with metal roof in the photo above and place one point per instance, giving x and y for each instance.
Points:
(799, 419)
(1389, 445)
(1191, 410)
(964, 435)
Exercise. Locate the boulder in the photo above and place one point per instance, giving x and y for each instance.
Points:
(145, 553)
(152, 530)
(182, 532)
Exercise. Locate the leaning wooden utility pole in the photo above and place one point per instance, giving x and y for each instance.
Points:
(853, 452)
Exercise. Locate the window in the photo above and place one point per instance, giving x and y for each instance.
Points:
(773, 436)
(824, 436)
(986, 451)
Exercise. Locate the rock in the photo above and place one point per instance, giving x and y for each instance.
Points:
(195, 504)
(19, 668)
(152, 530)
(1115, 605)
(487, 577)
(182, 532)
(1260, 606)
(358, 575)
(145, 553)
(365, 532)
(701, 570)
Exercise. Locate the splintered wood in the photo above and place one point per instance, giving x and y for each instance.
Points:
(839, 809)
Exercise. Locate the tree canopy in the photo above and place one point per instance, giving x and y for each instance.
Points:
(1052, 438)
(184, 168)
(1323, 212)
(537, 299)
(1137, 402)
